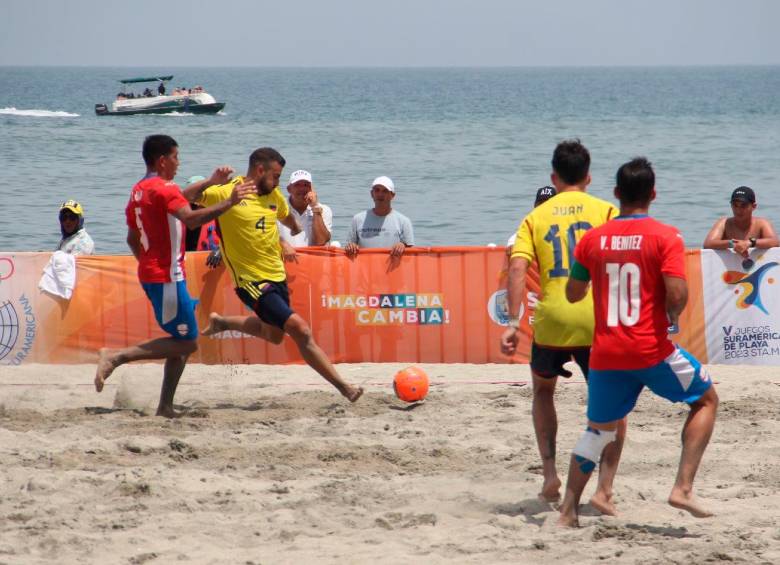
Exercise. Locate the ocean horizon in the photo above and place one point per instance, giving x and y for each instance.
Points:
(467, 147)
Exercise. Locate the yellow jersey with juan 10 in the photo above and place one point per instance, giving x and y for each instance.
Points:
(249, 237)
(548, 235)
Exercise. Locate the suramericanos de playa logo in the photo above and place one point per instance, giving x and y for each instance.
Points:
(750, 285)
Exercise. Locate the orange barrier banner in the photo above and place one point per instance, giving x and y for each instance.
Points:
(437, 305)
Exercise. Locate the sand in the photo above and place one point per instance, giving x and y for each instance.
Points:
(271, 466)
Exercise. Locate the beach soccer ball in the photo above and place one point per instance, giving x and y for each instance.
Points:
(411, 384)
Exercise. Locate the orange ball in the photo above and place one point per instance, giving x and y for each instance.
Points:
(411, 384)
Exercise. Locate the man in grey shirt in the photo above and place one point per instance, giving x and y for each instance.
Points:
(381, 226)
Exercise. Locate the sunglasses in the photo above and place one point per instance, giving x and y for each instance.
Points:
(68, 216)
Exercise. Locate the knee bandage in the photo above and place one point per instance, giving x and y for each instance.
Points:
(592, 442)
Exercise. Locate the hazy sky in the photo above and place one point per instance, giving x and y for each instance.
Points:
(391, 33)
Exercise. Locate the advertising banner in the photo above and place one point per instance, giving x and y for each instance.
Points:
(742, 304)
(437, 305)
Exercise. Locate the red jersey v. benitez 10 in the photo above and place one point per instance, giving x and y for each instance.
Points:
(627, 259)
(153, 201)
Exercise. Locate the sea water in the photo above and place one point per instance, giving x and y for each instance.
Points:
(467, 148)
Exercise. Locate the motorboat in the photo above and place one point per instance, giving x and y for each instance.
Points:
(159, 100)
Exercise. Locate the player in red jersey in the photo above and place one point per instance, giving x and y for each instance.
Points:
(637, 267)
(156, 215)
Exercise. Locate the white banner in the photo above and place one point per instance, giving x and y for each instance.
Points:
(742, 306)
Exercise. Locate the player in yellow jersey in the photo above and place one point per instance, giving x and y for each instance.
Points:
(562, 331)
(249, 240)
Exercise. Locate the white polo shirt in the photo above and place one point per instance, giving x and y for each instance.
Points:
(306, 220)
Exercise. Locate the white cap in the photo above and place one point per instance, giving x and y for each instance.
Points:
(387, 182)
(300, 175)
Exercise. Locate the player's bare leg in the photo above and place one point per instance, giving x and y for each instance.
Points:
(610, 459)
(546, 428)
(695, 437)
(251, 325)
(159, 348)
(575, 484)
(174, 367)
(581, 468)
(297, 328)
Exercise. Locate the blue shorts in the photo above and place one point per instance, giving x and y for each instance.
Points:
(173, 308)
(613, 394)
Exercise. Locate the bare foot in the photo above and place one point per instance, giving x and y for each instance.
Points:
(603, 503)
(568, 521)
(168, 412)
(215, 326)
(353, 393)
(551, 490)
(105, 367)
(689, 503)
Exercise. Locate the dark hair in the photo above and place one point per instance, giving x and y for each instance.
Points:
(635, 181)
(156, 146)
(264, 156)
(571, 161)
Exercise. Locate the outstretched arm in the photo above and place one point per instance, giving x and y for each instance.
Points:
(221, 175)
(194, 218)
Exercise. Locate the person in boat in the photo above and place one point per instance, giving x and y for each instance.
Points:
(75, 239)
(161, 89)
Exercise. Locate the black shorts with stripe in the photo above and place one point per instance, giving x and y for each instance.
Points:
(270, 300)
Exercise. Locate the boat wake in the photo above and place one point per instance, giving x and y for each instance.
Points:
(37, 113)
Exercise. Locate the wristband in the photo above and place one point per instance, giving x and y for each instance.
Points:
(752, 242)
(514, 323)
(731, 244)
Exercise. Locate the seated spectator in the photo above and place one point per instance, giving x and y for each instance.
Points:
(75, 239)
(380, 226)
(742, 231)
(315, 218)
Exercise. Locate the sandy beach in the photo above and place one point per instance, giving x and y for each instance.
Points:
(270, 465)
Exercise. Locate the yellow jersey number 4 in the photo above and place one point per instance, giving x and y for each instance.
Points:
(260, 225)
